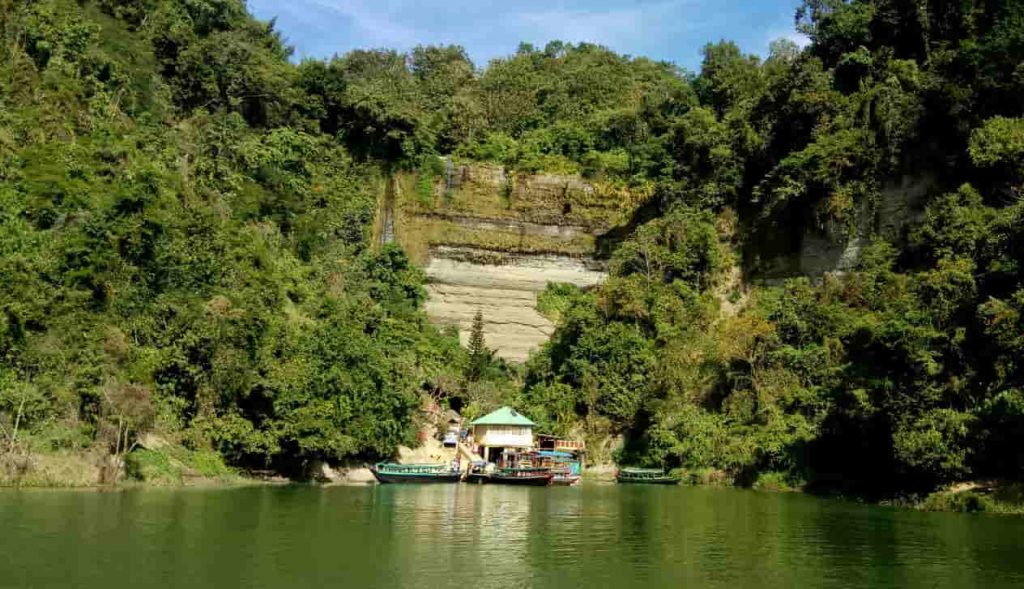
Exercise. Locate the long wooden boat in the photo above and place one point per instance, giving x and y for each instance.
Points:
(564, 477)
(386, 472)
(527, 477)
(646, 476)
(565, 466)
(565, 480)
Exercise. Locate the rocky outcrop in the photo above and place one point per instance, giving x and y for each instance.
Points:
(834, 249)
(504, 289)
(491, 240)
(834, 246)
(556, 200)
(343, 474)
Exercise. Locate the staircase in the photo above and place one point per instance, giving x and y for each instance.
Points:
(467, 453)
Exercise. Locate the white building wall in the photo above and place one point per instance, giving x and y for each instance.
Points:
(509, 436)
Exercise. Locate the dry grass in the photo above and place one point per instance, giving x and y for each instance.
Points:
(57, 469)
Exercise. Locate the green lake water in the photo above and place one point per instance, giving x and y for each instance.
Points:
(475, 537)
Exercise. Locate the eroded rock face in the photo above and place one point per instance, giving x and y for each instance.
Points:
(504, 289)
(835, 247)
(491, 240)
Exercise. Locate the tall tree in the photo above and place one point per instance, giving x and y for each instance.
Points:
(479, 355)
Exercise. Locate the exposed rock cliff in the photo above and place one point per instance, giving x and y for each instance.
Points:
(491, 240)
(802, 246)
(505, 291)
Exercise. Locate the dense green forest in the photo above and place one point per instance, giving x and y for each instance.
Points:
(186, 242)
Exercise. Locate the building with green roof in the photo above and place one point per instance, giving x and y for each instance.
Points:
(504, 416)
(503, 430)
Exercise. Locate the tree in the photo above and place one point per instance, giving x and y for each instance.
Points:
(998, 145)
(479, 355)
(128, 411)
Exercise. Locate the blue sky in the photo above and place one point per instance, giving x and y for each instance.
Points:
(672, 30)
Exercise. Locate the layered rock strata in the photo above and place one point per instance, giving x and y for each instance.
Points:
(491, 240)
(504, 290)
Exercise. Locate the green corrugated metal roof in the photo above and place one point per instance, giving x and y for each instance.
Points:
(503, 416)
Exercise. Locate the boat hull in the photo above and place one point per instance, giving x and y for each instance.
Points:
(519, 481)
(522, 481)
(660, 481)
(416, 479)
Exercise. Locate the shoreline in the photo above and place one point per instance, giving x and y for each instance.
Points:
(82, 471)
(968, 501)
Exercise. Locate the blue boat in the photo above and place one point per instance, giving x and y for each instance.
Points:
(564, 467)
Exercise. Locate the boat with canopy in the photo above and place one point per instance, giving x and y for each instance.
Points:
(647, 476)
(522, 476)
(387, 472)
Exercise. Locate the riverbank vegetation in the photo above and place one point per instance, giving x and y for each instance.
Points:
(185, 250)
(896, 134)
(186, 243)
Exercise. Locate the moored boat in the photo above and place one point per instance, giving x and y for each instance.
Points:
(565, 479)
(528, 477)
(386, 472)
(531, 477)
(565, 466)
(646, 476)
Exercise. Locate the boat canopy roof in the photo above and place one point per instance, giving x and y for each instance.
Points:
(393, 468)
(554, 454)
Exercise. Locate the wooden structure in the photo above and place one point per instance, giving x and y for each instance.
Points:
(556, 444)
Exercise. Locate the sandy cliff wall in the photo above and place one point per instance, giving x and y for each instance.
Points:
(491, 240)
(504, 291)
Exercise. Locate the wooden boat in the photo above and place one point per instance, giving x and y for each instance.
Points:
(531, 477)
(646, 476)
(565, 480)
(564, 466)
(528, 477)
(415, 473)
(564, 477)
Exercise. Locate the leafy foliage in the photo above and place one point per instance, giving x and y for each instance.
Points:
(185, 242)
(186, 253)
(898, 375)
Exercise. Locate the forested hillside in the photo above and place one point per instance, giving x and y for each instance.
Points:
(184, 251)
(186, 241)
(897, 375)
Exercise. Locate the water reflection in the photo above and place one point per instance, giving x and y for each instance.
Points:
(492, 536)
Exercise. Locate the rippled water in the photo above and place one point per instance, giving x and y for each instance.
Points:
(492, 536)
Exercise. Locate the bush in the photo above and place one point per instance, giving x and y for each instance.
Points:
(964, 502)
(711, 477)
(151, 466)
(170, 465)
(431, 169)
(776, 481)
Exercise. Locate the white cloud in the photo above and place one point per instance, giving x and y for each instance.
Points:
(618, 27)
(662, 29)
(374, 24)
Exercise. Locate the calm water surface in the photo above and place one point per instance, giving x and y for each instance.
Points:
(478, 537)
